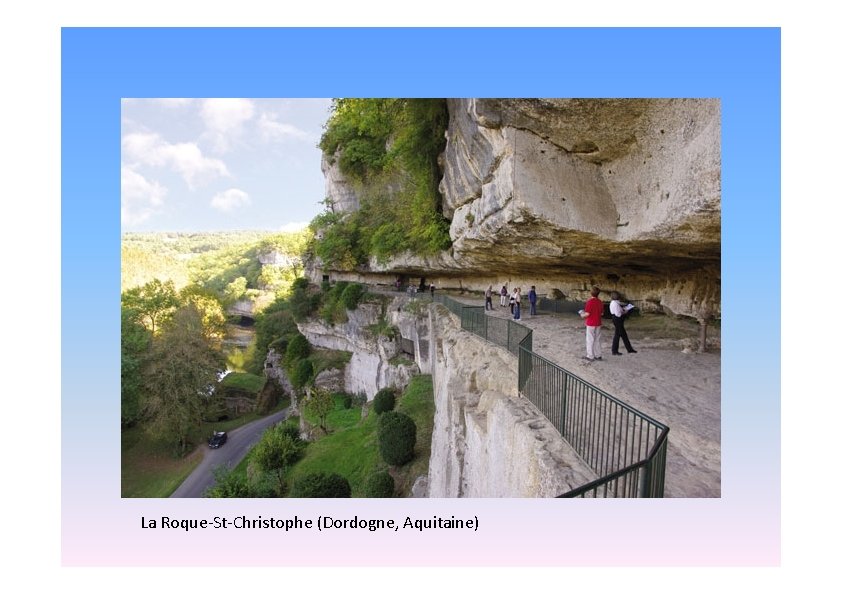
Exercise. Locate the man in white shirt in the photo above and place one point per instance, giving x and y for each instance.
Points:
(618, 315)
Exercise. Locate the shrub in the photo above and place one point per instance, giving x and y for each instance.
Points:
(384, 400)
(352, 295)
(297, 348)
(345, 399)
(396, 435)
(321, 485)
(380, 485)
(301, 374)
(292, 431)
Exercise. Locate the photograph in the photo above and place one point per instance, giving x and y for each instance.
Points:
(420, 297)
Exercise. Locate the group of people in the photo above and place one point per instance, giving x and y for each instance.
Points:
(513, 299)
(592, 314)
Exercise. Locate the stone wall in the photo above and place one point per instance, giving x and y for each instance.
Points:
(487, 440)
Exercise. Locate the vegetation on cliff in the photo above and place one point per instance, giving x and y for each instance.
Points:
(388, 149)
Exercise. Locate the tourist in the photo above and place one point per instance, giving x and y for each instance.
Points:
(503, 293)
(432, 290)
(512, 303)
(488, 294)
(516, 296)
(618, 315)
(593, 324)
(533, 301)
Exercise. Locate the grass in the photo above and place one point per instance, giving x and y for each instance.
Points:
(148, 467)
(243, 381)
(417, 402)
(351, 447)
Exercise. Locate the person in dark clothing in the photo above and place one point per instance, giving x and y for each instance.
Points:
(618, 316)
(533, 301)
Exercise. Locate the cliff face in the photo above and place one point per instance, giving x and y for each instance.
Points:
(565, 193)
(375, 361)
(488, 441)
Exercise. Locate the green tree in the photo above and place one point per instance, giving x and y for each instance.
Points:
(301, 373)
(319, 403)
(151, 304)
(276, 451)
(227, 484)
(180, 378)
(235, 289)
(134, 343)
(213, 315)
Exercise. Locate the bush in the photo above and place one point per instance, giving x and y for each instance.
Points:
(301, 374)
(292, 431)
(352, 295)
(345, 399)
(297, 348)
(321, 485)
(380, 485)
(396, 435)
(384, 400)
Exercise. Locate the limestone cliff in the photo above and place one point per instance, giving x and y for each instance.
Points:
(375, 360)
(487, 440)
(564, 193)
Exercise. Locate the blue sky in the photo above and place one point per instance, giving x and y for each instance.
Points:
(220, 164)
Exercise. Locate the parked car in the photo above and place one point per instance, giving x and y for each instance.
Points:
(218, 439)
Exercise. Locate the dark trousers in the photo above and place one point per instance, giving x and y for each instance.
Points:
(488, 305)
(620, 333)
(532, 310)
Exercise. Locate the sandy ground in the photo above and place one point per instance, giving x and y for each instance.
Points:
(675, 386)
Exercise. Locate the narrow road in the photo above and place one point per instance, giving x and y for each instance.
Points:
(240, 442)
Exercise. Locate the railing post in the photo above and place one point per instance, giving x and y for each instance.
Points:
(562, 426)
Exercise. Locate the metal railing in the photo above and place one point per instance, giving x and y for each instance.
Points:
(624, 447)
(502, 332)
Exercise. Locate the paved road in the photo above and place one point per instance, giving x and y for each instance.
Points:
(240, 442)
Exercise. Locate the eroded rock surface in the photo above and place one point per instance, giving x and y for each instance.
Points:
(620, 192)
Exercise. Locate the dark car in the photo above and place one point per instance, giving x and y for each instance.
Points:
(218, 439)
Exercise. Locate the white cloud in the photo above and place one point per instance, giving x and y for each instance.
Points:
(272, 129)
(139, 198)
(230, 199)
(185, 158)
(224, 120)
(173, 102)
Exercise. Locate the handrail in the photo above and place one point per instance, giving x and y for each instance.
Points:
(624, 446)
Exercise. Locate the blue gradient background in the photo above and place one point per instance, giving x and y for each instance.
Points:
(740, 66)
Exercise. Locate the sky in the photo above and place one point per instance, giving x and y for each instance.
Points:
(221, 164)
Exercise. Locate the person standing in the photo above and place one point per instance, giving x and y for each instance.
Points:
(488, 294)
(618, 316)
(503, 293)
(432, 290)
(533, 301)
(516, 295)
(593, 325)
